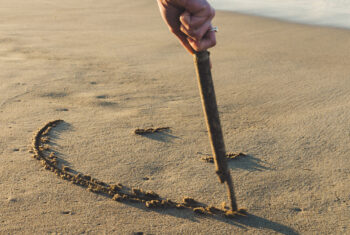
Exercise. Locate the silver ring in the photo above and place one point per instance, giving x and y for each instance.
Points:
(214, 29)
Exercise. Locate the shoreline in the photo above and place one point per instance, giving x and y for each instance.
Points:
(283, 20)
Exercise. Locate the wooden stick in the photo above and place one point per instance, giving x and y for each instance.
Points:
(207, 93)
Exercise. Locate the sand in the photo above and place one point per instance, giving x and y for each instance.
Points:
(108, 68)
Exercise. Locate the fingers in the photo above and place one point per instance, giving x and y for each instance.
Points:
(208, 41)
(196, 26)
(195, 20)
(196, 33)
(185, 19)
(190, 21)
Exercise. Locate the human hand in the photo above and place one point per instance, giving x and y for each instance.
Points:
(190, 21)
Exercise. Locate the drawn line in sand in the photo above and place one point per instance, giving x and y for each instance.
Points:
(150, 130)
(117, 192)
(229, 156)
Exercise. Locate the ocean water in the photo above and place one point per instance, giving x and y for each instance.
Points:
(334, 13)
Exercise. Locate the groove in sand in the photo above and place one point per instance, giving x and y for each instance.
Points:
(229, 156)
(150, 130)
(117, 192)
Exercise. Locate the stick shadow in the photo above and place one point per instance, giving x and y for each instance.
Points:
(254, 221)
(242, 222)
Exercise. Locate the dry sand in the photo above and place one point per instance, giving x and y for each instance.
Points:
(109, 67)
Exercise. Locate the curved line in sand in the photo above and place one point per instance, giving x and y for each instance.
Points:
(117, 192)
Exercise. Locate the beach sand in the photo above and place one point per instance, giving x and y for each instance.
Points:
(109, 67)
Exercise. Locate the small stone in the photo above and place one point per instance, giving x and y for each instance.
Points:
(117, 198)
(66, 212)
(15, 149)
(199, 210)
(62, 110)
(12, 199)
(296, 209)
(189, 201)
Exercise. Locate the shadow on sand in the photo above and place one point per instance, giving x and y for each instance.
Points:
(245, 162)
(242, 222)
(163, 136)
(249, 163)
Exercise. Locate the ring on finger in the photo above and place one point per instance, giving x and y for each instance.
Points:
(214, 29)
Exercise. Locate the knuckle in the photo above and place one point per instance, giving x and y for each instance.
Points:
(183, 19)
(212, 12)
(204, 7)
(182, 28)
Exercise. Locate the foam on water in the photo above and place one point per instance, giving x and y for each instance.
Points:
(320, 12)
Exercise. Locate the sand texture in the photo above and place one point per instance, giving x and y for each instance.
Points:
(109, 68)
